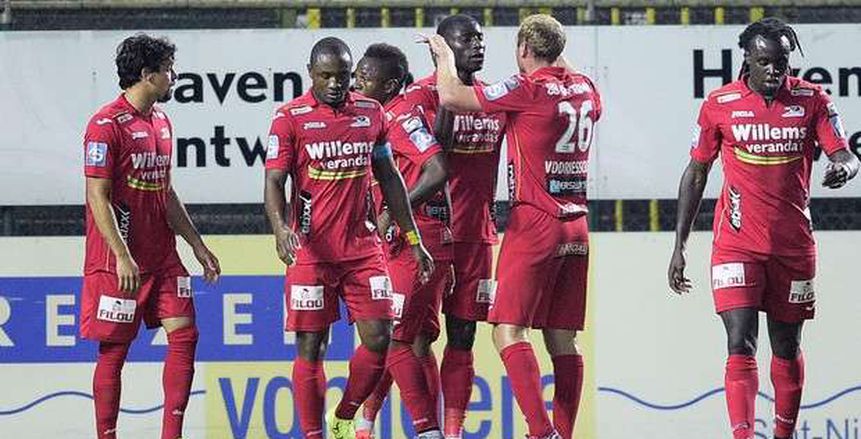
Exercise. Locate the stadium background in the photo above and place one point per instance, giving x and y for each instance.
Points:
(654, 362)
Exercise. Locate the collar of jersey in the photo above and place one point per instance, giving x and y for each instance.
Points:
(312, 100)
(747, 91)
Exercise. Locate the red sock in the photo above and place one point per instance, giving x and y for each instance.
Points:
(176, 379)
(107, 383)
(410, 377)
(525, 376)
(309, 377)
(568, 376)
(374, 402)
(431, 369)
(787, 376)
(742, 383)
(366, 368)
(457, 373)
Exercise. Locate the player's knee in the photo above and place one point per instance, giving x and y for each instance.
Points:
(786, 348)
(422, 346)
(742, 343)
(185, 334)
(461, 333)
(377, 341)
(311, 345)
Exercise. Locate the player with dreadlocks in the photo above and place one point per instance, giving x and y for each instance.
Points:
(765, 127)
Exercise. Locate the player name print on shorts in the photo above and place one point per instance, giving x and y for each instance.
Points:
(306, 297)
(381, 287)
(486, 292)
(801, 291)
(728, 275)
(117, 310)
(183, 287)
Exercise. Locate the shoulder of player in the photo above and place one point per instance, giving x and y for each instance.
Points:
(110, 116)
(799, 88)
(731, 92)
(360, 103)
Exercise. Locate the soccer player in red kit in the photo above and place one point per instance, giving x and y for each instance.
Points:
(472, 141)
(381, 75)
(765, 127)
(544, 257)
(132, 271)
(329, 140)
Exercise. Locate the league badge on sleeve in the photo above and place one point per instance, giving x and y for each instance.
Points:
(97, 154)
(272, 148)
(495, 91)
(422, 139)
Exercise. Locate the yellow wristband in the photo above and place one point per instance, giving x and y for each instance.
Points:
(413, 237)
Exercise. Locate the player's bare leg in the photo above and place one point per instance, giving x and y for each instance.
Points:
(513, 345)
(309, 377)
(562, 346)
(366, 368)
(107, 383)
(457, 373)
(787, 374)
(741, 377)
(178, 373)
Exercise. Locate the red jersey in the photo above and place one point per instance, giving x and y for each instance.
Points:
(766, 154)
(328, 153)
(134, 151)
(412, 146)
(473, 162)
(551, 118)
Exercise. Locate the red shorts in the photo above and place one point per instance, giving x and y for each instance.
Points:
(782, 286)
(312, 291)
(474, 286)
(542, 271)
(109, 315)
(416, 307)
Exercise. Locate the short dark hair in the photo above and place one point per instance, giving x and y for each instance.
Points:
(328, 46)
(770, 28)
(139, 52)
(448, 24)
(393, 61)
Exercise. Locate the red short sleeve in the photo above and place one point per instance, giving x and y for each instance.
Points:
(101, 147)
(705, 145)
(513, 94)
(829, 127)
(280, 151)
(411, 138)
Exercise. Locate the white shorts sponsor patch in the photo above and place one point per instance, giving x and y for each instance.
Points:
(307, 297)
(117, 310)
(801, 291)
(486, 291)
(398, 305)
(381, 287)
(183, 287)
(728, 275)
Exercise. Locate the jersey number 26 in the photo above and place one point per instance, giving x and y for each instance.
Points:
(578, 135)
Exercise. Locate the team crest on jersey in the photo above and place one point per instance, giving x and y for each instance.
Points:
(97, 154)
(723, 99)
(793, 111)
(806, 92)
(361, 122)
(301, 110)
